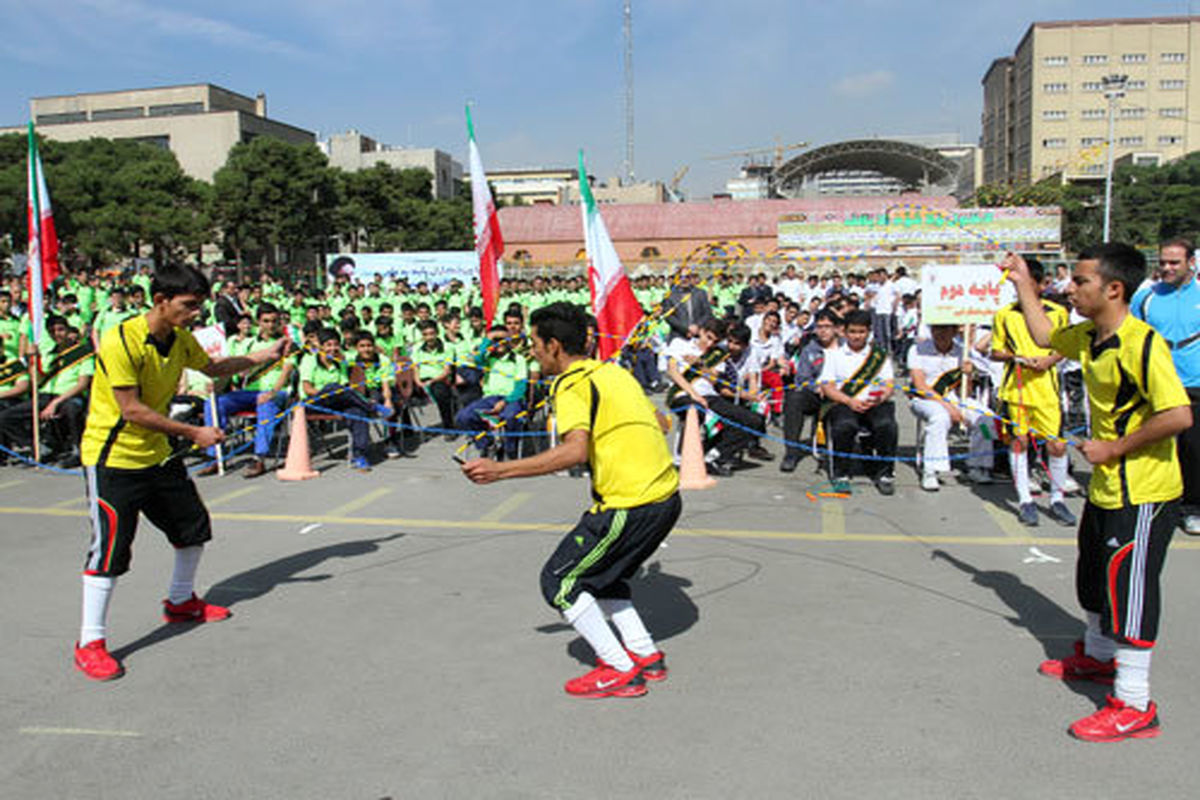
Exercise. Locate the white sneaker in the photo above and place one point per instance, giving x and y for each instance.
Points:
(1070, 486)
(1191, 524)
(929, 482)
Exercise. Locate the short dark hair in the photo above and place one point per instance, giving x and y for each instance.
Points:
(564, 322)
(861, 318)
(1179, 241)
(1119, 262)
(55, 319)
(267, 308)
(1037, 270)
(363, 336)
(171, 280)
(427, 325)
(328, 335)
(313, 326)
(739, 333)
(714, 326)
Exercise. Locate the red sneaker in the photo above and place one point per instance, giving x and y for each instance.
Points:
(94, 661)
(194, 610)
(653, 666)
(1080, 667)
(1117, 721)
(604, 681)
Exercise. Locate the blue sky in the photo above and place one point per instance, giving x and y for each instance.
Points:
(711, 76)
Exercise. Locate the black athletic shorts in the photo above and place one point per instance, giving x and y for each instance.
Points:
(1121, 555)
(165, 494)
(604, 551)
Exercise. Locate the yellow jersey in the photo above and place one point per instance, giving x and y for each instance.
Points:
(1022, 385)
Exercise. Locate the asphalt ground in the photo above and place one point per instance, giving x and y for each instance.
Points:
(389, 641)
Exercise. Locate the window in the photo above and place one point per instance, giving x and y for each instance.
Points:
(1170, 140)
(118, 113)
(1171, 84)
(1133, 58)
(1131, 141)
(1174, 58)
(1093, 113)
(58, 119)
(1054, 88)
(1094, 169)
(1095, 59)
(1171, 113)
(1135, 86)
(1054, 61)
(1131, 113)
(161, 142)
(176, 109)
(1054, 115)
(1091, 141)
(1054, 143)
(1092, 86)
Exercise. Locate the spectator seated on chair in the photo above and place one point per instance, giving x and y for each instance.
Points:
(746, 390)
(264, 391)
(856, 381)
(937, 370)
(802, 397)
(433, 361)
(325, 382)
(505, 378)
(377, 375)
(67, 369)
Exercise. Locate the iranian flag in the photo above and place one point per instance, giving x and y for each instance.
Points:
(616, 309)
(43, 242)
(489, 244)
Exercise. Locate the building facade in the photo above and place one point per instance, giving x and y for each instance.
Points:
(352, 151)
(1045, 113)
(199, 123)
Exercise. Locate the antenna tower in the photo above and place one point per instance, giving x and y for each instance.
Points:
(628, 165)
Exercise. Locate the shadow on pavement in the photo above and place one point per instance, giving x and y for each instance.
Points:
(256, 582)
(661, 601)
(1045, 619)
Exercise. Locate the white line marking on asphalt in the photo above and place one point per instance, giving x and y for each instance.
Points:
(310, 528)
(1038, 557)
(79, 732)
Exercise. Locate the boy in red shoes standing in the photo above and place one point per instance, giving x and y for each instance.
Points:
(127, 458)
(604, 419)
(1138, 406)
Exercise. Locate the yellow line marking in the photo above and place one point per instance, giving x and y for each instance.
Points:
(1008, 524)
(79, 732)
(833, 518)
(72, 501)
(361, 502)
(506, 506)
(10, 484)
(231, 496)
(555, 527)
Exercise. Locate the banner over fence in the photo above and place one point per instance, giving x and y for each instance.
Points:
(961, 294)
(1028, 229)
(431, 267)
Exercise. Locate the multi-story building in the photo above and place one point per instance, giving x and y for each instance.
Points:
(1045, 111)
(352, 151)
(199, 123)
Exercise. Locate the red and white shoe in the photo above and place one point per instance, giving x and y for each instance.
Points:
(604, 681)
(194, 610)
(1080, 667)
(93, 660)
(653, 667)
(1117, 721)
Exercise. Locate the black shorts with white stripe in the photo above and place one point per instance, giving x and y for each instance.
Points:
(1121, 555)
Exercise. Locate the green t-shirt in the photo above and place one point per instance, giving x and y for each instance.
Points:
(376, 373)
(65, 379)
(10, 329)
(431, 363)
(320, 375)
(504, 376)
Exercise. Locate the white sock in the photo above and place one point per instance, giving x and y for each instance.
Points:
(587, 618)
(629, 624)
(183, 579)
(1095, 643)
(1019, 465)
(97, 591)
(1058, 477)
(1132, 686)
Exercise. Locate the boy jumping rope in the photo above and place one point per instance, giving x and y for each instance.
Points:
(127, 459)
(605, 420)
(1138, 406)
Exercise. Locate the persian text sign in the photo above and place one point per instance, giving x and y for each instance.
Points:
(435, 268)
(915, 229)
(212, 339)
(960, 294)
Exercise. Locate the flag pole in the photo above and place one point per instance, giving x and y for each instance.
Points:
(34, 368)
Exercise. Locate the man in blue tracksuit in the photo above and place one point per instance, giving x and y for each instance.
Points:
(1172, 307)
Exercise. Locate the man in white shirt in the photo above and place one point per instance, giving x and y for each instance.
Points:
(884, 323)
(791, 284)
(857, 379)
(937, 369)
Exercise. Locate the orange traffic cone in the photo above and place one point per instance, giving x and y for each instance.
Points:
(298, 465)
(692, 472)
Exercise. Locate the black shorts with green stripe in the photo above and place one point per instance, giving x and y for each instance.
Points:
(605, 549)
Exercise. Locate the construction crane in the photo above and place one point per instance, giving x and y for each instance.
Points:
(778, 150)
(673, 185)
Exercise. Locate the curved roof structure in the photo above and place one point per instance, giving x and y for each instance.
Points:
(917, 167)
